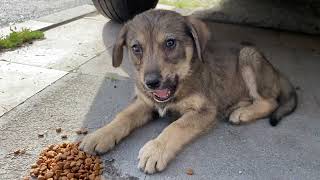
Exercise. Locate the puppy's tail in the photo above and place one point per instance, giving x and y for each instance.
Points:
(287, 100)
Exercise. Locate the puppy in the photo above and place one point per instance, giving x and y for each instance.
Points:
(177, 70)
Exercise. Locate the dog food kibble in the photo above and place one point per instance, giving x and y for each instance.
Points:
(66, 161)
(58, 130)
(189, 171)
(82, 131)
(19, 152)
(64, 136)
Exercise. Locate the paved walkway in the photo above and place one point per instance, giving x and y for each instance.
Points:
(77, 87)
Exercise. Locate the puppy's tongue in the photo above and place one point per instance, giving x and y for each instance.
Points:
(162, 93)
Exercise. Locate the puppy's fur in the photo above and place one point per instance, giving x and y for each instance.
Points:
(201, 81)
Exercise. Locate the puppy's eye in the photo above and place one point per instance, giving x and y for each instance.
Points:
(170, 43)
(136, 49)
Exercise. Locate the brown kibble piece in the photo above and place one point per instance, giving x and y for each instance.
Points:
(189, 171)
(70, 175)
(43, 168)
(17, 152)
(51, 154)
(84, 131)
(49, 174)
(26, 178)
(36, 171)
(40, 177)
(58, 130)
(40, 135)
(64, 136)
(96, 167)
(88, 161)
(92, 177)
(66, 161)
(73, 163)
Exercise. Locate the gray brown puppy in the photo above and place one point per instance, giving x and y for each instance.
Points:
(178, 70)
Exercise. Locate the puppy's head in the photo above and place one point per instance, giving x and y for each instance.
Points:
(163, 45)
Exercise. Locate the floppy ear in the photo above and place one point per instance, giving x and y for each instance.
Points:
(200, 34)
(117, 52)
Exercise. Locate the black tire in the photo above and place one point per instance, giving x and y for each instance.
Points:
(123, 10)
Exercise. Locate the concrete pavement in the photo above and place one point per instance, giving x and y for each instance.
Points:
(93, 92)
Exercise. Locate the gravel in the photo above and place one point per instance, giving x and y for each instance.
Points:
(13, 11)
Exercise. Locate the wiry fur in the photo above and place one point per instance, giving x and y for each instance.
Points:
(212, 81)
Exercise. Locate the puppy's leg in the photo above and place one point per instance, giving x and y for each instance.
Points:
(259, 109)
(261, 106)
(105, 138)
(156, 154)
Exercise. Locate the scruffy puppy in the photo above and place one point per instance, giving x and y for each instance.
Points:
(177, 70)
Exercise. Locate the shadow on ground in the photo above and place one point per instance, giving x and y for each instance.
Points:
(297, 15)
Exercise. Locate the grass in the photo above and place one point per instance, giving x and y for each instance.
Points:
(187, 4)
(17, 38)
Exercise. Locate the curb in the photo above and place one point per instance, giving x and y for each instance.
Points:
(51, 21)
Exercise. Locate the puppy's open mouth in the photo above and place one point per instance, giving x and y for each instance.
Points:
(162, 95)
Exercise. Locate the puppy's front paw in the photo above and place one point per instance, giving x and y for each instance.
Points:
(240, 115)
(153, 157)
(98, 142)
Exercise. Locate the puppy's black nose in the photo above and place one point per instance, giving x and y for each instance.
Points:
(152, 80)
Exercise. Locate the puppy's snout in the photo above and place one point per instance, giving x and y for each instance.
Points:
(152, 80)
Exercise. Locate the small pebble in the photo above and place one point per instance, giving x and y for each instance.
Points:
(40, 135)
(240, 172)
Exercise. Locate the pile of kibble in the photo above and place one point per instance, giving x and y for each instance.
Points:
(65, 161)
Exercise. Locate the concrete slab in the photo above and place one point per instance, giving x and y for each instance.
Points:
(19, 82)
(70, 104)
(31, 24)
(102, 65)
(68, 15)
(65, 47)
(254, 151)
